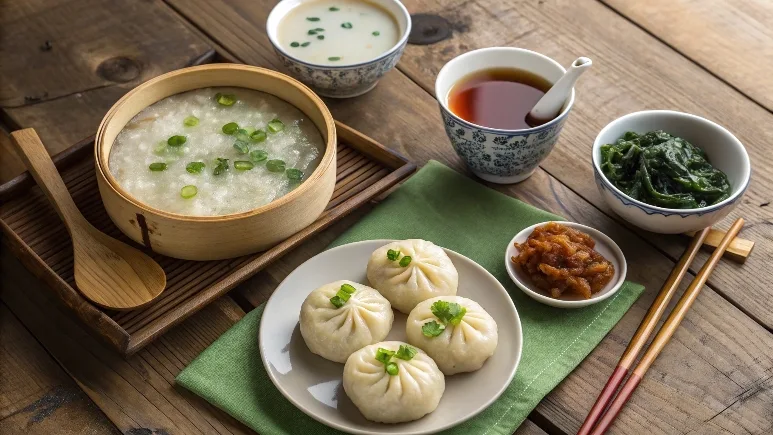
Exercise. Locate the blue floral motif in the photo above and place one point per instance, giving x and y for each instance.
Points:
(341, 82)
(489, 152)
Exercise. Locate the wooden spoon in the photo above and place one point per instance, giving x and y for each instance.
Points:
(109, 273)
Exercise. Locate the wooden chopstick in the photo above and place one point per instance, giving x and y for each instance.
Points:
(667, 330)
(644, 331)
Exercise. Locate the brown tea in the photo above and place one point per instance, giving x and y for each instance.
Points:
(497, 97)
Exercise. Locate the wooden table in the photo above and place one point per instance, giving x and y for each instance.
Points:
(64, 62)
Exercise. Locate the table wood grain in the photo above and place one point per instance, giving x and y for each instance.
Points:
(716, 376)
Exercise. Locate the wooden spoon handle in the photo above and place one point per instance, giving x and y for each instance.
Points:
(31, 150)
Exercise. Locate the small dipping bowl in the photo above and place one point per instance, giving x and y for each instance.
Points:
(604, 246)
(725, 152)
(340, 81)
(497, 155)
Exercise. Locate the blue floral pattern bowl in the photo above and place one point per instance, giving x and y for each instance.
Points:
(496, 155)
(340, 81)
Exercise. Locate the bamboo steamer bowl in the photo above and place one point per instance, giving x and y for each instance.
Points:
(225, 236)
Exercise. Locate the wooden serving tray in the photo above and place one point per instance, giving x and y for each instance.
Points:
(40, 240)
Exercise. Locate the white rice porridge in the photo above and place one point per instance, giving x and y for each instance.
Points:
(144, 144)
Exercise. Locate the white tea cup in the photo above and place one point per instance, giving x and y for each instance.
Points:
(498, 155)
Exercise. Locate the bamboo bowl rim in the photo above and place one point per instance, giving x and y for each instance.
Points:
(102, 163)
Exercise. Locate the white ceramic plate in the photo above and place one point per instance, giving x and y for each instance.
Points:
(604, 246)
(313, 384)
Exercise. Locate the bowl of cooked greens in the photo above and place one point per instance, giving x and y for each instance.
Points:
(670, 172)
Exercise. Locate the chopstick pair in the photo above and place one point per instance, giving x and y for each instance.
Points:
(607, 400)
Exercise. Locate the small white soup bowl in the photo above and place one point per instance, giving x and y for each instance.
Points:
(340, 81)
(496, 155)
(724, 151)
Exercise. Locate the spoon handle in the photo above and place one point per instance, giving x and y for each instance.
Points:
(35, 156)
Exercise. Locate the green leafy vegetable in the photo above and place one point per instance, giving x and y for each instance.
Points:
(432, 329)
(158, 166)
(195, 167)
(225, 99)
(305, 44)
(189, 191)
(294, 174)
(243, 165)
(230, 128)
(221, 166)
(242, 147)
(406, 352)
(258, 155)
(663, 170)
(393, 255)
(384, 355)
(405, 261)
(346, 25)
(448, 312)
(176, 141)
(191, 121)
(295, 44)
(275, 126)
(275, 165)
(391, 369)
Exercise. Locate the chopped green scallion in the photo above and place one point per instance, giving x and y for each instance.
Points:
(312, 18)
(195, 167)
(305, 44)
(295, 44)
(241, 146)
(242, 135)
(275, 126)
(393, 255)
(158, 166)
(191, 121)
(243, 165)
(391, 369)
(348, 288)
(346, 25)
(230, 128)
(334, 58)
(320, 37)
(405, 261)
(275, 165)
(225, 99)
(337, 302)
(376, 33)
(258, 135)
(333, 9)
(319, 29)
(258, 155)
(294, 174)
(312, 32)
(176, 141)
(189, 191)
(384, 355)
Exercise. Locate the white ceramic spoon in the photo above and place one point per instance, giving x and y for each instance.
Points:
(550, 104)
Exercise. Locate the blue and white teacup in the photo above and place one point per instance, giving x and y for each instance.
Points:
(496, 155)
(340, 81)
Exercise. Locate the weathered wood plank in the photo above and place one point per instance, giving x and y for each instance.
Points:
(400, 116)
(731, 38)
(136, 394)
(97, 50)
(632, 72)
(36, 396)
(10, 165)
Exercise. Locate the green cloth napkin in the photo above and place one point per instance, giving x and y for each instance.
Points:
(453, 211)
